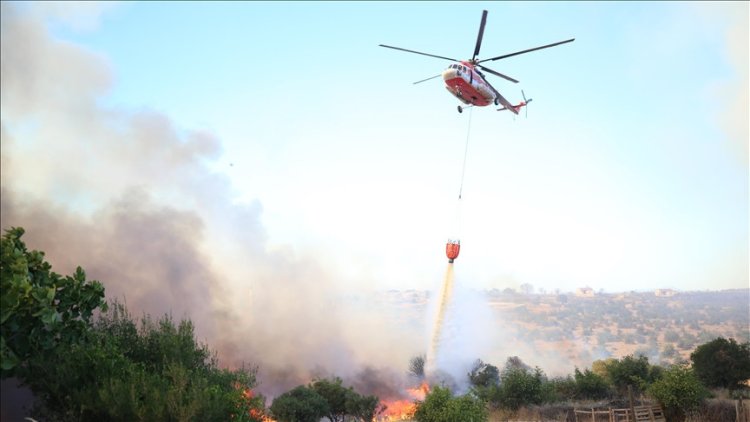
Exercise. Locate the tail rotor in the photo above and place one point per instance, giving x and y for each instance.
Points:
(526, 102)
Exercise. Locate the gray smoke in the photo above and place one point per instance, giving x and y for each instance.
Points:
(129, 196)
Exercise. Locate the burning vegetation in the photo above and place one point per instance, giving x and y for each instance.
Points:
(404, 409)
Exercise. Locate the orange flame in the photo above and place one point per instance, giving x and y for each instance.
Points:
(399, 410)
(419, 393)
(255, 413)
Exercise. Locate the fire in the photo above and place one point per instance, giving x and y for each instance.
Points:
(254, 412)
(419, 393)
(399, 410)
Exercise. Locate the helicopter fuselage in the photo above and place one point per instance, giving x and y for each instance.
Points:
(468, 85)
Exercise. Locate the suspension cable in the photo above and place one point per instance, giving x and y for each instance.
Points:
(466, 150)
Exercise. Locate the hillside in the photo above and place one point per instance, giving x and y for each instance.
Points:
(580, 329)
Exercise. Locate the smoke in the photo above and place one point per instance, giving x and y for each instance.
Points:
(734, 93)
(463, 331)
(130, 197)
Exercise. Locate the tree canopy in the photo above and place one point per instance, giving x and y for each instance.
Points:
(39, 309)
(722, 363)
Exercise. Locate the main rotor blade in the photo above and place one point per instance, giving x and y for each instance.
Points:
(506, 103)
(417, 52)
(487, 69)
(431, 77)
(527, 51)
(480, 35)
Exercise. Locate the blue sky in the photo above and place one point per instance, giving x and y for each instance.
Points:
(629, 173)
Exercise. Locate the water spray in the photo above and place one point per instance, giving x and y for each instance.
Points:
(452, 249)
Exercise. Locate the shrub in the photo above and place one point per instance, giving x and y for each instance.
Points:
(678, 390)
(519, 387)
(440, 406)
(300, 404)
(589, 385)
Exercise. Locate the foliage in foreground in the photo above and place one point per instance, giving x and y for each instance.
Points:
(112, 368)
(39, 309)
(151, 371)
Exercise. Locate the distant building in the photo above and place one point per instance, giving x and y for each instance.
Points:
(665, 292)
(585, 292)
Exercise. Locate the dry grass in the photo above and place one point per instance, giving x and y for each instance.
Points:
(549, 413)
(714, 410)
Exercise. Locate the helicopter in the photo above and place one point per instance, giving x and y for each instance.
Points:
(464, 78)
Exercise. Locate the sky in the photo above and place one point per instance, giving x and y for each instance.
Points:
(629, 173)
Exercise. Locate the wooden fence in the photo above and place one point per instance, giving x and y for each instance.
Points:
(743, 411)
(642, 414)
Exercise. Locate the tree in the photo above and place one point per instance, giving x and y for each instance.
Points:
(335, 394)
(722, 363)
(39, 309)
(340, 403)
(629, 371)
(514, 362)
(679, 391)
(484, 374)
(560, 389)
(520, 387)
(364, 408)
(416, 367)
(83, 368)
(440, 406)
(343, 401)
(590, 385)
(300, 404)
(599, 367)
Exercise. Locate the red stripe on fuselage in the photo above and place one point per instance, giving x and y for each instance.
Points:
(462, 89)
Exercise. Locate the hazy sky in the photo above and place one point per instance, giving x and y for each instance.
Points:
(630, 172)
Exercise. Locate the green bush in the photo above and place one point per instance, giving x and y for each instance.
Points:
(630, 371)
(344, 402)
(152, 371)
(560, 389)
(440, 406)
(589, 385)
(85, 369)
(520, 387)
(679, 390)
(722, 363)
(325, 398)
(300, 404)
